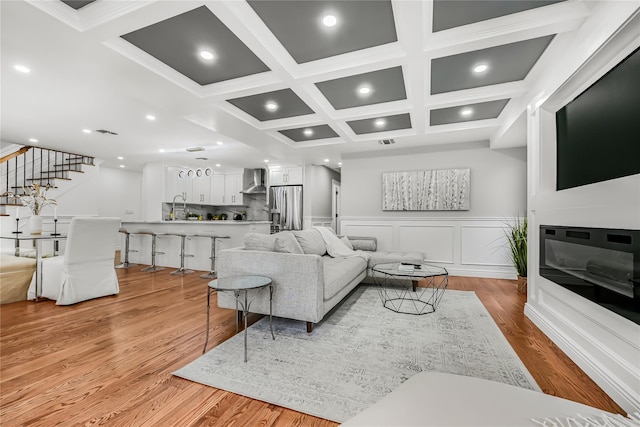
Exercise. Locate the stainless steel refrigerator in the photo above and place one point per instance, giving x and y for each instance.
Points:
(286, 207)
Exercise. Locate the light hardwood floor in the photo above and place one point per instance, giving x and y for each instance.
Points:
(109, 361)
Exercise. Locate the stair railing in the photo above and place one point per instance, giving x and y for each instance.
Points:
(30, 165)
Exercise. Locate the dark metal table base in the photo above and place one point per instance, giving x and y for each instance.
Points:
(409, 299)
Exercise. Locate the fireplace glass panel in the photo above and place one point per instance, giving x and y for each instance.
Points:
(598, 264)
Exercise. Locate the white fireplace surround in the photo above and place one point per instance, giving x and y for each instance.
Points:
(605, 345)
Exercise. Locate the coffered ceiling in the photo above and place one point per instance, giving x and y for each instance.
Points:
(295, 82)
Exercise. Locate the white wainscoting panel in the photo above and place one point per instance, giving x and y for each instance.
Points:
(437, 242)
(483, 245)
(464, 246)
(382, 232)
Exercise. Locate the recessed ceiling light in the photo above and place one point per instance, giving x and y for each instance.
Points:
(121, 166)
(217, 165)
(266, 160)
(339, 163)
(161, 150)
(380, 122)
(120, 158)
(480, 68)
(151, 117)
(329, 21)
(326, 160)
(466, 112)
(271, 106)
(33, 140)
(308, 132)
(219, 142)
(86, 130)
(206, 55)
(22, 69)
(364, 90)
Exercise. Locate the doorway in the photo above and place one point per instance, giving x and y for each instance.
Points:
(336, 206)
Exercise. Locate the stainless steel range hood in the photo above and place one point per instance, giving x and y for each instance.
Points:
(258, 183)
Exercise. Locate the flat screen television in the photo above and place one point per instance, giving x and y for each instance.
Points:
(598, 133)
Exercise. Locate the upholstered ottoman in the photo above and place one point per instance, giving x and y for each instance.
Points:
(437, 399)
(15, 276)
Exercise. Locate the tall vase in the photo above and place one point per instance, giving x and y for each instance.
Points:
(35, 224)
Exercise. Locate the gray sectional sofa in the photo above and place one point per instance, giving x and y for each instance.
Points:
(308, 282)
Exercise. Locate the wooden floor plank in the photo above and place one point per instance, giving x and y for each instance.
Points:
(109, 361)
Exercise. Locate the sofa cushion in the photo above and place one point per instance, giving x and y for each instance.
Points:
(286, 242)
(259, 242)
(338, 272)
(311, 241)
(382, 257)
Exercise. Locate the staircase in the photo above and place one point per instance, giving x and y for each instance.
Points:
(29, 165)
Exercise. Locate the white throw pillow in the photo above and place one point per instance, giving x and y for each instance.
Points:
(259, 242)
(311, 241)
(286, 242)
(347, 242)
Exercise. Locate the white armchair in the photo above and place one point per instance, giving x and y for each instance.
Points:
(86, 270)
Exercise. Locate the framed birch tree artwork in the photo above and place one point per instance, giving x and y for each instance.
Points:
(428, 190)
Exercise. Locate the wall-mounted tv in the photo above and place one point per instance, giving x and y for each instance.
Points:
(598, 133)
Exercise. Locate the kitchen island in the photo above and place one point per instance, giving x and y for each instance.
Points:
(199, 247)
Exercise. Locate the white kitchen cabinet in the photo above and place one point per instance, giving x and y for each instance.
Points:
(176, 185)
(201, 190)
(217, 189)
(286, 176)
(225, 190)
(233, 186)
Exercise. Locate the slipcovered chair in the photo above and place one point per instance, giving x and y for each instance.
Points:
(86, 270)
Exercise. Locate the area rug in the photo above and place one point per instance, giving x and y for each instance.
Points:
(358, 354)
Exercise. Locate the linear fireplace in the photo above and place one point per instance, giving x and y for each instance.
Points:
(602, 265)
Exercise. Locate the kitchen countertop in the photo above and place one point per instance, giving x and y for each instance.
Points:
(220, 222)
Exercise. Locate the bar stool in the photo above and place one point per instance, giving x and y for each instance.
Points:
(153, 266)
(183, 237)
(213, 237)
(126, 263)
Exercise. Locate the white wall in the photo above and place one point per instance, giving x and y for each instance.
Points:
(120, 193)
(605, 345)
(469, 243)
(497, 188)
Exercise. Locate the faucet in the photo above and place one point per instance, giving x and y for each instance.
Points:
(173, 205)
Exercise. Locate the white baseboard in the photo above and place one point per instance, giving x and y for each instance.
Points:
(617, 389)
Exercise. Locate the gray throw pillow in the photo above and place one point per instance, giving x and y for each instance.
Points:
(286, 242)
(363, 244)
(259, 242)
(311, 241)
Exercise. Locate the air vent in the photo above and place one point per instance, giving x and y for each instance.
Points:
(387, 141)
(105, 132)
(194, 149)
(202, 158)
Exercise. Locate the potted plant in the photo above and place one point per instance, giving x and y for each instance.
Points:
(516, 234)
(35, 198)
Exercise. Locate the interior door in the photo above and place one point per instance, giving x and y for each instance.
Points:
(335, 205)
